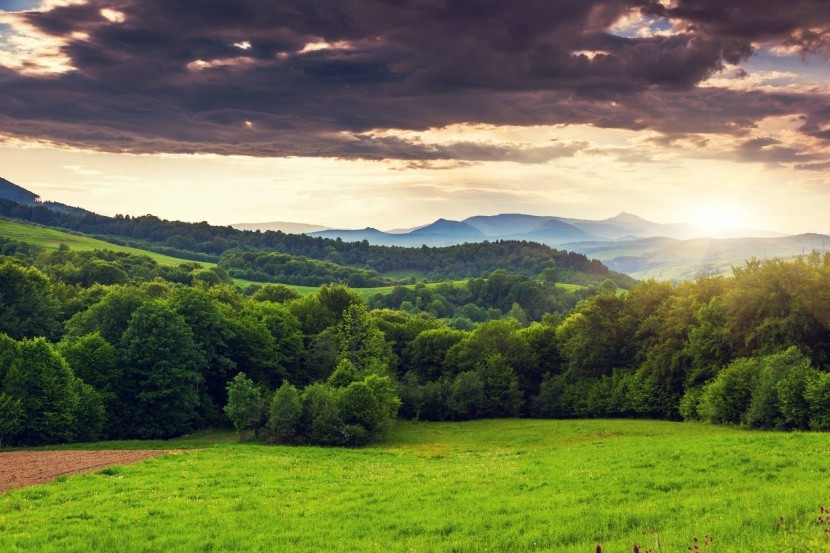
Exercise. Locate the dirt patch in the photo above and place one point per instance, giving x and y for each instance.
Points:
(27, 468)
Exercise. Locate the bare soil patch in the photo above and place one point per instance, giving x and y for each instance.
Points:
(27, 468)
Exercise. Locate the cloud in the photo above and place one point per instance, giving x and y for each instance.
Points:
(318, 78)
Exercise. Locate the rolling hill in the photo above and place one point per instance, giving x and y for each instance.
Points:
(673, 259)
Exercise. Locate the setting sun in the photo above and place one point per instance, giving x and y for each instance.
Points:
(718, 216)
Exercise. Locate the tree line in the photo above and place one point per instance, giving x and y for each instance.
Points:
(201, 241)
(83, 358)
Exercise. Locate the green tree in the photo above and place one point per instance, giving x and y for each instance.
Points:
(362, 343)
(502, 397)
(817, 395)
(764, 409)
(466, 398)
(792, 392)
(11, 417)
(371, 403)
(276, 293)
(321, 417)
(90, 415)
(110, 316)
(45, 386)
(159, 361)
(27, 307)
(284, 414)
(727, 397)
(212, 332)
(426, 353)
(244, 407)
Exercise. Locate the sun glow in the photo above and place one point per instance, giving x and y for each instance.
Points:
(718, 216)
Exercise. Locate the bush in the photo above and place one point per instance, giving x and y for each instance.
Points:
(689, 402)
(817, 395)
(727, 397)
(284, 414)
(466, 395)
(321, 415)
(764, 409)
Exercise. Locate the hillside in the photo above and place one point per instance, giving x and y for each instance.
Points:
(12, 192)
(204, 242)
(51, 239)
(672, 259)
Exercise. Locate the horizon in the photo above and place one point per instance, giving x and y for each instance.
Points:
(361, 114)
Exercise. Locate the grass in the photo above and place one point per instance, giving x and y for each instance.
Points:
(50, 239)
(504, 485)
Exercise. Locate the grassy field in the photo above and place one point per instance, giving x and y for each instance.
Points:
(506, 485)
(367, 293)
(51, 239)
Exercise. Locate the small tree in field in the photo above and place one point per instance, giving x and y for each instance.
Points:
(285, 412)
(244, 406)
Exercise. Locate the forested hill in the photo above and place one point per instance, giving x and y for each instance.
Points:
(209, 242)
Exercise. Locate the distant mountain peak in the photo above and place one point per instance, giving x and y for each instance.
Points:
(626, 217)
(15, 193)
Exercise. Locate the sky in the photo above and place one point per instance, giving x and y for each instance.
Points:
(393, 113)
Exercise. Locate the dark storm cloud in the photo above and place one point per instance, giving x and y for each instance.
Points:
(802, 24)
(240, 77)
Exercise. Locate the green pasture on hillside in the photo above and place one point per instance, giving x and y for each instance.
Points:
(497, 485)
(50, 239)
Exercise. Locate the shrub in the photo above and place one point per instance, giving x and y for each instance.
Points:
(817, 395)
(727, 397)
(284, 414)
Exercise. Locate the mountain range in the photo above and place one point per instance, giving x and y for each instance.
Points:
(550, 230)
(625, 243)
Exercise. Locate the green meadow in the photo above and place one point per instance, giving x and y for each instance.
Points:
(51, 239)
(367, 293)
(496, 485)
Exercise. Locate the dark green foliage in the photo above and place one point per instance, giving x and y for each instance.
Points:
(727, 397)
(426, 353)
(292, 269)
(284, 414)
(27, 308)
(160, 372)
(792, 396)
(276, 293)
(11, 417)
(321, 421)
(95, 362)
(370, 403)
(466, 400)
(502, 397)
(362, 343)
(817, 395)
(764, 409)
(90, 413)
(212, 333)
(110, 316)
(44, 384)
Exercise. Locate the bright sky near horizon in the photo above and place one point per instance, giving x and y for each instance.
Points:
(369, 113)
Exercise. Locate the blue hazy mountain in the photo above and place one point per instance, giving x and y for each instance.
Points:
(15, 193)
